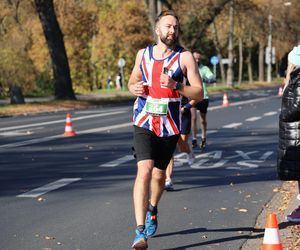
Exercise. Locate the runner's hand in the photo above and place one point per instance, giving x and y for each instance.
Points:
(166, 81)
(138, 88)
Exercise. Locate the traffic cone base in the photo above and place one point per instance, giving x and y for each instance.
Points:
(225, 100)
(272, 238)
(70, 133)
(272, 247)
(68, 129)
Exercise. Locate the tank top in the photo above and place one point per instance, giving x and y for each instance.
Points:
(159, 109)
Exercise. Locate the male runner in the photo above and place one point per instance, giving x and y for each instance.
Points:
(156, 80)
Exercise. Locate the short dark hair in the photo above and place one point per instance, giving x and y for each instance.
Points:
(196, 51)
(166, 13)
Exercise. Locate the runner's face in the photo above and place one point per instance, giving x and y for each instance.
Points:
(167, 30)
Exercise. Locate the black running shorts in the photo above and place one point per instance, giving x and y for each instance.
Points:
(202, 106)
(186, 122)
(148, 146)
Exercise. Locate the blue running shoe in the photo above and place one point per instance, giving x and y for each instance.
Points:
(151, 224)
(140, 240)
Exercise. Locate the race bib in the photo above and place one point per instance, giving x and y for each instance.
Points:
(157, 107)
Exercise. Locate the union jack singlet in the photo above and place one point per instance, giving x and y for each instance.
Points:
(168, 122)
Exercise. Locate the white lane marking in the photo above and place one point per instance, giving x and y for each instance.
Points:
(254, 118)
(177, 156)
(49, 138)
(29, 142)
(208, 132)
(117, 162)
(59, 121)
(107, 128)
(20, 132)
(270, 113)
(47, 188)
(243, 102)
(232, 125)
(15, 133)
(126, 158)
(266, 155)
(99, 130)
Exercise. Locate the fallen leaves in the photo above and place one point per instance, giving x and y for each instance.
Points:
(49, 237)
(41, 199)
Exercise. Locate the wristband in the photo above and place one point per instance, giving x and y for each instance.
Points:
(178, 86)
(188, 106)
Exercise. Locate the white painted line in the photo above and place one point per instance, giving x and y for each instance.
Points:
(15, 133)
(60, 121)
(107, 128)
(100, 111)
(47, 188)
(232, 125)
(117, 162)
(266, 155)
(126, 158)
(232, 104)
(49, 138)
(254, 118)
(179, 155)
(20, 132)
(270, 113)
(208, 132)
(29, 142)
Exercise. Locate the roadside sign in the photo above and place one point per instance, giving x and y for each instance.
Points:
(214, 60)
(121, 62)
(226, 61)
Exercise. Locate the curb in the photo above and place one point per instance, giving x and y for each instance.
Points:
(282, 203)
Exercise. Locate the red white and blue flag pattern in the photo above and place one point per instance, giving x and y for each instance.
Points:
(162, 126)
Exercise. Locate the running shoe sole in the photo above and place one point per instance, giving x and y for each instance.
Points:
(140, 245)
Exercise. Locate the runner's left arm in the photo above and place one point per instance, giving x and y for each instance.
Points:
(195, 90)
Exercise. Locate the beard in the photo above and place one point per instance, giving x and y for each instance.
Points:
(169, 41)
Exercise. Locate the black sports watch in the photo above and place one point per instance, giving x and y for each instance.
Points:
(178, 86)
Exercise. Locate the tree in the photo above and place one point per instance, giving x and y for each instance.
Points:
(57, 51)
(230, 45)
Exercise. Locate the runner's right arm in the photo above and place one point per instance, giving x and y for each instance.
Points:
(135, 83)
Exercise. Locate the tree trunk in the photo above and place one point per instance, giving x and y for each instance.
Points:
(152, 13)
(217, 45)
(250, 72)
(261, 61)
(57, 51)
(230, 47)
(240, 61)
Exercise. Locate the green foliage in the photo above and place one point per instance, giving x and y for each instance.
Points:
(44, 85)
(123, 29)
(15, 69)
(99, 32)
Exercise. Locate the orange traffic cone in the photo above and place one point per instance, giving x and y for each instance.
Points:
(68, 129)
(272, 238)
(225, 100)
(280, 91)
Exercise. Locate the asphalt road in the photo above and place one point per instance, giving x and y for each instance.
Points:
(70, 193)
